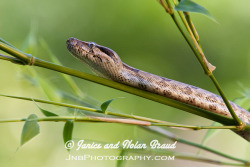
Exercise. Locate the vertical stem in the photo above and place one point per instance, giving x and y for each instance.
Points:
(202, 59)
(191, 25)
(235, 117)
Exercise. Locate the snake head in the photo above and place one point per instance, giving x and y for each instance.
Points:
(102, 60)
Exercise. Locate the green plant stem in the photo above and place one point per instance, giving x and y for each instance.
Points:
(173, 137)
(25, 58)
(117, 120)
(190, 23)
(233, 114)
(210, 74)
(202, 59)
(11, 59)
(194, 127)
(192, 27)
(83, 119)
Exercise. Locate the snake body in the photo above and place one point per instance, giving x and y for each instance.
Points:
(106, 63)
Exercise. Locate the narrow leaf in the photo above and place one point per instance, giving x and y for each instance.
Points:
(190, 6)
(105, 105)
(30, 129)
(47, 113)
(68, 131)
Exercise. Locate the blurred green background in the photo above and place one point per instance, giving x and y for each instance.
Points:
(145, 37)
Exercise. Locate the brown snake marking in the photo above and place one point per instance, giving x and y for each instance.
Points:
(106, 63)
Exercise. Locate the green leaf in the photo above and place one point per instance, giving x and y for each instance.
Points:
(30, 129)
(68, 131)
(105, 105)
(47, 113)
(121, 163)
(190, 6)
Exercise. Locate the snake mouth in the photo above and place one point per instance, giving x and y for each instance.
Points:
(76, 46)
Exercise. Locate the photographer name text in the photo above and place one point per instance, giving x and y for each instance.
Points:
(126, 144)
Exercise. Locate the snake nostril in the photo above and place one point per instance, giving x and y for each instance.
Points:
(71, 40)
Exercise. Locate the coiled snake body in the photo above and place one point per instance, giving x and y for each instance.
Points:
(106, 63)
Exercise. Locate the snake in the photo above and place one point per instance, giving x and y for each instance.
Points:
(106, 63)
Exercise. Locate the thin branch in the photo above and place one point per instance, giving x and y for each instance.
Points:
(83, 119)
(194, 127)
(11, 59)
(87, 109)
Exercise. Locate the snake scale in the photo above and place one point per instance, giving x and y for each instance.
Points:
(106, 63)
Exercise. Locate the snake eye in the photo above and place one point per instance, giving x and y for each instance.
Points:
(91, 45)
(106, 51)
